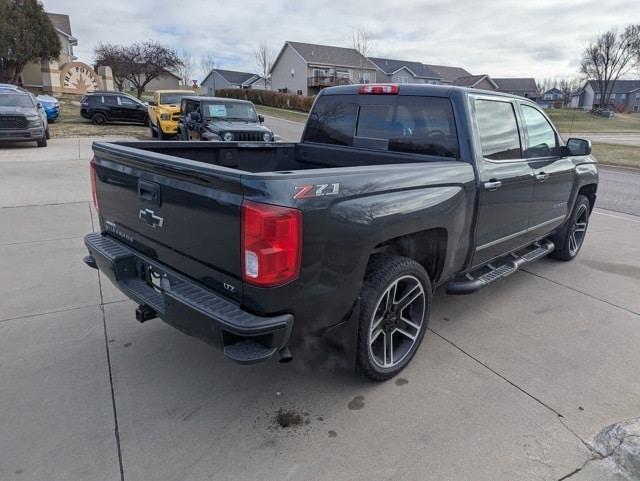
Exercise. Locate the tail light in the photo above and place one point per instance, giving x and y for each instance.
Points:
(271, 244)
(378, 89)
(94, 193)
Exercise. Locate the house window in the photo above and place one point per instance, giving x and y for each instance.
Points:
(299, 92)
(403, 80)
(623, 96)
(613, 96)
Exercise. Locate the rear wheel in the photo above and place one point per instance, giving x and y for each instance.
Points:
(570, 239)
(394, 312)
(46, 133)
(99, 118)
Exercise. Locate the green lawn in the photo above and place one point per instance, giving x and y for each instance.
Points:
(282, 113)
(70, 124)
(571, 120)
(615, 154)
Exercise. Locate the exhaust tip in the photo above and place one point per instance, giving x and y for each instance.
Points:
(284, 355)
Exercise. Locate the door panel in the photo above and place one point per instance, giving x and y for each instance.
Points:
(503, 215)
(505, 180)
(553, 173)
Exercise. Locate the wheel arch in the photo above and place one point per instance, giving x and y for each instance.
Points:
(427, 247)
(589, 191)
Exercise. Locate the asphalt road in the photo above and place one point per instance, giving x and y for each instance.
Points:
(509, 384)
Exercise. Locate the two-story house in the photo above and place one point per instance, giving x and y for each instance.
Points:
(551, 98)
(625, 96)
(218, 79)
(306, 68)
(524, 87)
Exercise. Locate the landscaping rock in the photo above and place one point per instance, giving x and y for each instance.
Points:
(620, 443)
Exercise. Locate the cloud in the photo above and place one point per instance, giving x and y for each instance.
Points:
(541, 38)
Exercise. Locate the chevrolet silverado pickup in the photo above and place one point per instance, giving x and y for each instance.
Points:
(266, 250)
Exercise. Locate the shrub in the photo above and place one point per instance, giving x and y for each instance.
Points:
(269, 98)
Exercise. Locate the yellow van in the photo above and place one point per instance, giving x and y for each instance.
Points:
(164, 111)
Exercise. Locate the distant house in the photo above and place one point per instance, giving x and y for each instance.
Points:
(448, 75)
(403, 72)
(552, 98)
(230, 79)
(306, 68)
(482, 81)
(524, 87)
(625, 96)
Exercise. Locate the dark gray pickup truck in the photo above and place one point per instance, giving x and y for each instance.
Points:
(338, 242)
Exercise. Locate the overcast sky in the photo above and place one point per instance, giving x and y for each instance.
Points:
(526, 38)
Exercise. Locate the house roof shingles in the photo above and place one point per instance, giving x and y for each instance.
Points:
(61, 22)
(469, 80)
(516, 84)
(620, 87)
(234, 77)
(448, 74)
(389, 66)
(328, 55)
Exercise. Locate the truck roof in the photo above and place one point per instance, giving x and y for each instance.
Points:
(419, 89)
(225, 99)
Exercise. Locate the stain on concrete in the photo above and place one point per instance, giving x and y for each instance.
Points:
(626, 270)
(287, 418)
(332, 433)
(127, 344)
(401, 381)
(356, 403)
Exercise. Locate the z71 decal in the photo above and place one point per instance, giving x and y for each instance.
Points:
(318, 190)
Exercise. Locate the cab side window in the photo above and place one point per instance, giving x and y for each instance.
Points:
(498, 128)
(542, 138)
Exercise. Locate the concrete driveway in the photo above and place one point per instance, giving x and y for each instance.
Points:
(510, 384)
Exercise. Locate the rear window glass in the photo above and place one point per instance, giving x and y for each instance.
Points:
(417, 125)
(498, 130)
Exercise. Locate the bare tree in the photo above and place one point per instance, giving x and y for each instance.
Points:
(186, 68)
(610, 57)
(361, 41)
(264, 60)
(207, 64)
(113, 56)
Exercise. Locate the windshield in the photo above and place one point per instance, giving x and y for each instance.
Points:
(15, 100)
(173, 97)
(230, 111)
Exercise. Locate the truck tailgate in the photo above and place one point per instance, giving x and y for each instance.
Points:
(182, 213)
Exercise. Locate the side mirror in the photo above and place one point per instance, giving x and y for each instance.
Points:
(261, 119)
(153, 103)
(578, 146)
(39, 105)
(194, 116)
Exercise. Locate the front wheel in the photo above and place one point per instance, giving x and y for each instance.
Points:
(152, 131)
(570, 239)
(394, 312)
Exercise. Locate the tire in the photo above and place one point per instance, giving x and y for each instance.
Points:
(182, 135)
(389, 336)
(42, 142)
(152, 131)
(99, 118)
(147, 121)
(162, 135)
(571, 237)
(47, 134)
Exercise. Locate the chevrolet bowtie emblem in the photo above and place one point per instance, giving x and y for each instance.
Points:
(150, 218)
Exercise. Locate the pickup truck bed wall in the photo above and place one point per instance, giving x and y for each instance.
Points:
(200, 203)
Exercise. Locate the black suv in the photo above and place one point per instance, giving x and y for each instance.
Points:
(221, 119)
(103, 107)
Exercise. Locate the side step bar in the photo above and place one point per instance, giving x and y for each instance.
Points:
(499, 269)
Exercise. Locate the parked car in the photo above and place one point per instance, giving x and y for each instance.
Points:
(102, 107)
(22, 118)
(221, 119)
(164, 112)
(11, 87)
(15, 88)
(51, 106)
(340, 240)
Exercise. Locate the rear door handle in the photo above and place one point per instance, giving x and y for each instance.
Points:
(542, 176)
(493, 185)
